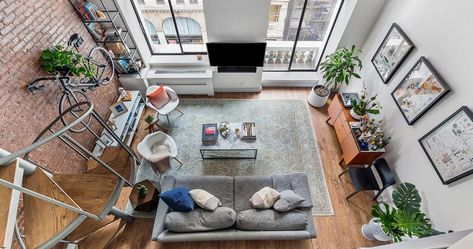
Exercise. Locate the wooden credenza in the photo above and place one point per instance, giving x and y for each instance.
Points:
(340, 118)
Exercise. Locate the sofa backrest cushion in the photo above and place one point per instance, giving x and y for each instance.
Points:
(219, 186)
(245, 187)
(296, 182)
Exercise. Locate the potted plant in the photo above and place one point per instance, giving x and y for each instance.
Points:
(364, 106)
(406, 219)
(142, 190)
(62, 61)
(337, 68)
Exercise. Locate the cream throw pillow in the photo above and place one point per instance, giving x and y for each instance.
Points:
(205, 199)
(264, 198)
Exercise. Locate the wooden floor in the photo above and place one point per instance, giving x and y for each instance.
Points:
(341, 231)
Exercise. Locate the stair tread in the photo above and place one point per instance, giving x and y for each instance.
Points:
(43, 216)
(117, 158)
(8, 174)
(102, 237)
(91, 225)
(91, 192)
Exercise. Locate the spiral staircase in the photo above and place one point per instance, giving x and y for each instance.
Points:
(82, 211)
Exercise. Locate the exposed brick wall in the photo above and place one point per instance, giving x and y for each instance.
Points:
(26, 28)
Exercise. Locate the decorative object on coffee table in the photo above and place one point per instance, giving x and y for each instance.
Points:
(394, 49)
(448, 146)
(142, 200)
(420, 89)
(224, 128)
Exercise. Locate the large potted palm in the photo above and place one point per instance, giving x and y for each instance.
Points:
(337, 68)
(404, 220)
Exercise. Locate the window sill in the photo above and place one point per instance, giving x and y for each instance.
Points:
(293, 79)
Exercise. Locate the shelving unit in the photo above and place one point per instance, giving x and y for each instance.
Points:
(113, 21)
(126, 124)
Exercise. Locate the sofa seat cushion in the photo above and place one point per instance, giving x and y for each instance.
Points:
(199, 220)
(219, 186)
(271, 220)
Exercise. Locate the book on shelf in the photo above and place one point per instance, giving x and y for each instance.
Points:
(248, 131)
(122, 65)
(209, 134)
(96, 30)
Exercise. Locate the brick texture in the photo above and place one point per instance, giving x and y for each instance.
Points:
(26, 28)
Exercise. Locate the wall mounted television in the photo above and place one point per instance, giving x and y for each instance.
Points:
(236, 54)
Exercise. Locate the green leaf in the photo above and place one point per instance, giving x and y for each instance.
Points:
(407, 197)
(413, 223)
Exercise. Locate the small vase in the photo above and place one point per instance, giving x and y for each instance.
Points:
(354, 115)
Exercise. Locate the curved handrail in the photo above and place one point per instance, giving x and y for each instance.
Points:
(25, 150)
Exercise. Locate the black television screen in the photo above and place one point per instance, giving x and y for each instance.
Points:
(236, 54)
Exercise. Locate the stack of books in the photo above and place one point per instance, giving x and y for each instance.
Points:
(209, 134)
(97, 30)
(88, 10)
(122, 65)
(248, 131)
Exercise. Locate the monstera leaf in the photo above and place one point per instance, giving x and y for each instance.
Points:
(406, 197)
(413, 223)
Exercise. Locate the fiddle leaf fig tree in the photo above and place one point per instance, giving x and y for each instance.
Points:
(406, 219)
(341, 66)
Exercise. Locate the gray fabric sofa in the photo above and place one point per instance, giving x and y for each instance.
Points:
(235, 192)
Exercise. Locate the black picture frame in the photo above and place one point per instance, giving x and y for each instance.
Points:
(446, 89)
(347, 98)
(444, 180)
(396, 27)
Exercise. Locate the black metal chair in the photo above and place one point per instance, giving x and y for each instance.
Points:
(364, 179)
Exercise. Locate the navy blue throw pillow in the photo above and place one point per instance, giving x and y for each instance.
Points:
(178, 199)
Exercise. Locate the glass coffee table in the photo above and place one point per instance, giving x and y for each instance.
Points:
(231, 147)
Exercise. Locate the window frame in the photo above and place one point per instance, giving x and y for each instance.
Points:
(296, 39)
(150, 46)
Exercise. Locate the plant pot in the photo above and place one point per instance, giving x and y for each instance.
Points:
(318, 96)
(354, 115)
(373, 231)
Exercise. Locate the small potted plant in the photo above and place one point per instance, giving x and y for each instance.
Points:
(364, 106)
(338, 68)
(142, 190)
(61, 61)
(405, 219)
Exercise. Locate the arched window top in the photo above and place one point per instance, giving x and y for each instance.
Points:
(150, 26)
(186, 25)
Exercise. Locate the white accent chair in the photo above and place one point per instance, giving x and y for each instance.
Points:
(168, 107)
(147, 148)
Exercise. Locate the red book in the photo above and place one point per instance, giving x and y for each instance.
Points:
(210, 130)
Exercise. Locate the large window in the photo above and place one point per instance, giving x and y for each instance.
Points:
(298, 35)
(173, 26)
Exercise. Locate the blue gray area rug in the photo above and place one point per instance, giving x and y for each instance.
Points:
(285, 139)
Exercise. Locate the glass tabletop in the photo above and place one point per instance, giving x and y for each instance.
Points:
(232, 141)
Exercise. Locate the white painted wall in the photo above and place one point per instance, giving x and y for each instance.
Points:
(237, 21)
(441, 31)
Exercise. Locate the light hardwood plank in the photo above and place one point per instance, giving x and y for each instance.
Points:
(102, 237)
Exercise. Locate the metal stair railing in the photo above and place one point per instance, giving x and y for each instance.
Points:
(61, 133)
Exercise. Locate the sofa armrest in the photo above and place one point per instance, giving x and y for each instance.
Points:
(163, 208)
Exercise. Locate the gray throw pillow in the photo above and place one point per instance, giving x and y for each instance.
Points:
(270, 220)
(199, 220)
(288, 200)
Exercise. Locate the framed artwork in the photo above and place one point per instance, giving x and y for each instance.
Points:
(449, 146)
(419, 90)
(394, 49)
(348, 97)
(118, 109)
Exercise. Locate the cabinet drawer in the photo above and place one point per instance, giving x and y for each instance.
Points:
(349, 149)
